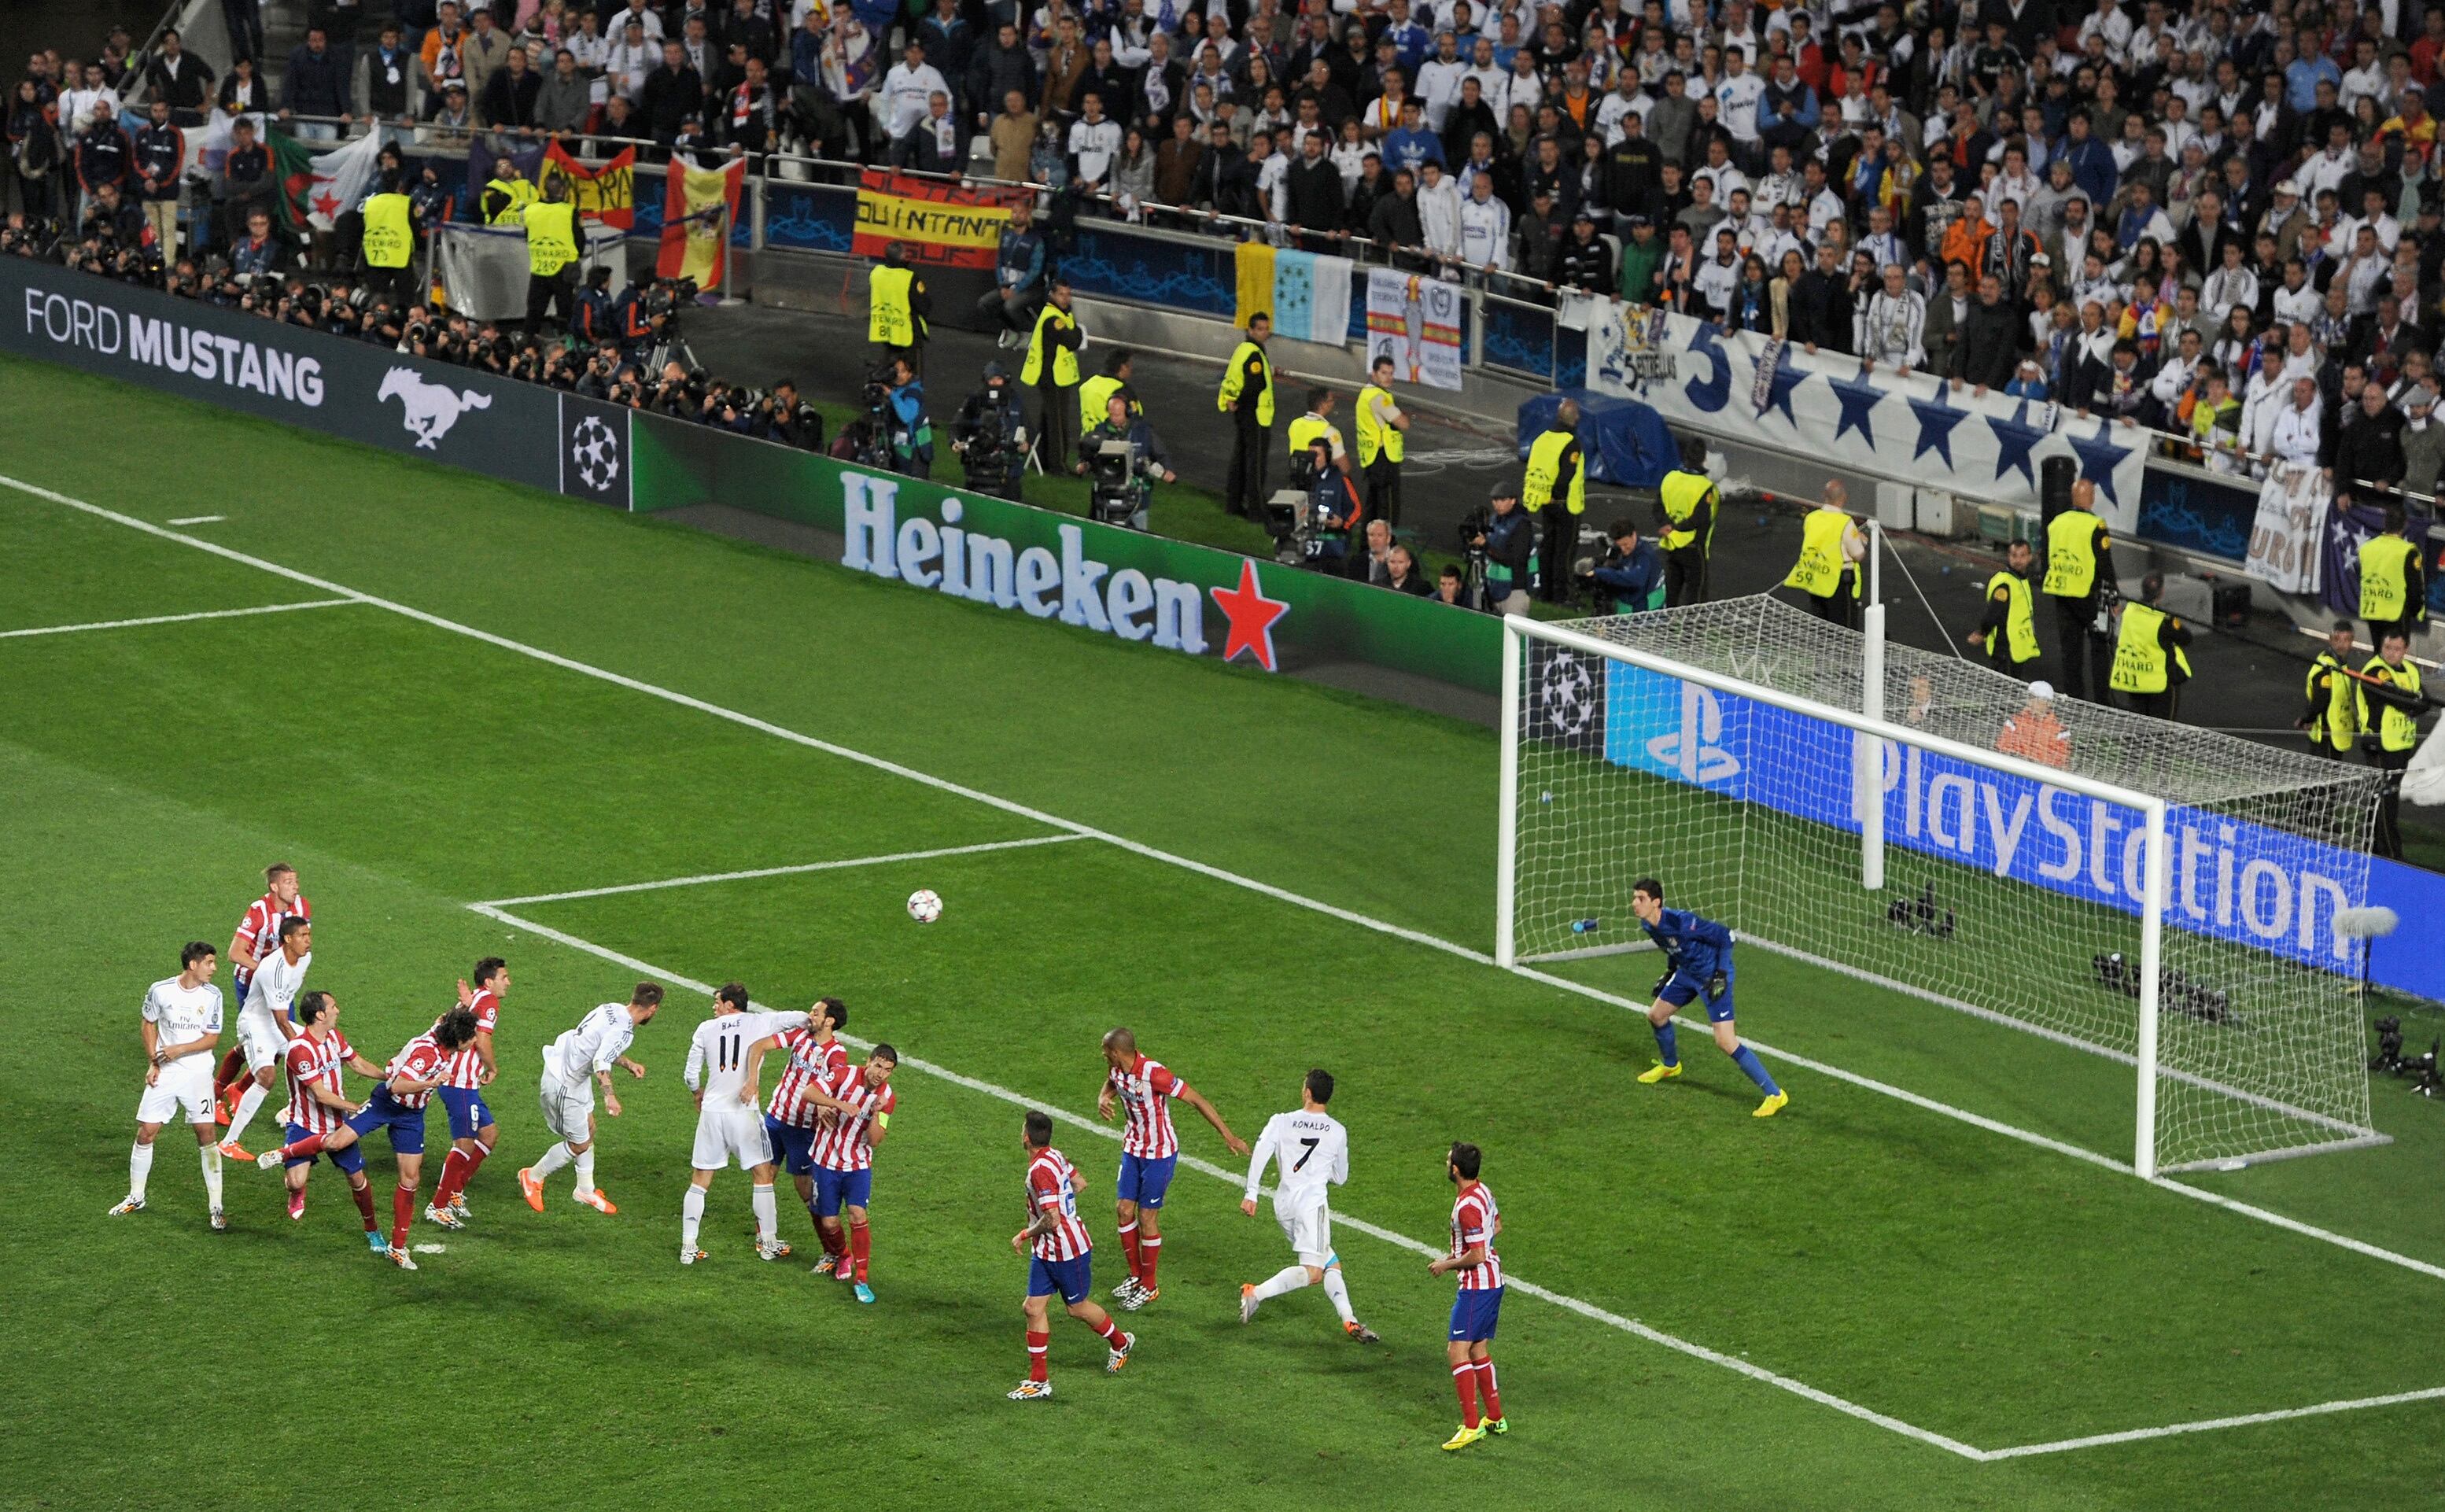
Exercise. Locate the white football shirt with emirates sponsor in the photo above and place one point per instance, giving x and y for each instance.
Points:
(718, 1056)
(595, 1045)
(179, 1014)
(274, 987)
(1313, 1151)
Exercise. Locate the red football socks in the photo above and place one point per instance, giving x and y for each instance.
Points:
(1036, 1344)
(858, 1247)
(454, 1171)
(1464, 1379)
(310, 1145)
(1485, 1388)
(402, 1212)
(364, 1196)
(1129, 1247)
(1149, 1251)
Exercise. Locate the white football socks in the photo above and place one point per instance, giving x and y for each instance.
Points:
(768, 1222)
(691, 1214)
(552, 1160)
(1288, 1280)
(246, 1107)
(139, 1171)
(1338, 1289)
(212, 1155)
(586, 1171)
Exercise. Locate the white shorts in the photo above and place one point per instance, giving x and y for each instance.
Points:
(262, 1040)
(723, 1134)
(1310, 1230)
(187, 1080)
(567, 1107)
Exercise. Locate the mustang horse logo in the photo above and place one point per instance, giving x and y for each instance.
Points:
(430, 408)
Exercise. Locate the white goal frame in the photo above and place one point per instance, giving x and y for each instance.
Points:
(1519, 630)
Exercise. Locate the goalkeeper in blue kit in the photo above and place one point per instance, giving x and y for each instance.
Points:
(1700, 951)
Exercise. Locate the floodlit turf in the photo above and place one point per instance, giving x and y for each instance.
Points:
(1952, 1278)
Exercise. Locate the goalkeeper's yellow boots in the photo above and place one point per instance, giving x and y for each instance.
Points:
(1772, 1105)
(1660, 1072)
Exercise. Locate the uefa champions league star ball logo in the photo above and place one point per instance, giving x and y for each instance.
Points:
(1569, 697)
(596, 452)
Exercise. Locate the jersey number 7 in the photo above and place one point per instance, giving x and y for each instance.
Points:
(1309, 1154)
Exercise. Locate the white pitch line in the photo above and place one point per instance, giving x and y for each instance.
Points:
(1569, 1304)
(788, 872)
(173, 619)
(2210, 1425)
(1088, 831)
(200, 519)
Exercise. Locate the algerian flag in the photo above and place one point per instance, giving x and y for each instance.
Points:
(317, 188)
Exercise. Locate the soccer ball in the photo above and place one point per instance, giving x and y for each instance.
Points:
(924, 907)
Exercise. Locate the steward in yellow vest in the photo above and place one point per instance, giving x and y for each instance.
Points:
(1689, 502)
(2391, 704)
(1051, 369)
(2078, 566)
(506, 195)
(1381, 440)
(896, 307)
(1247, 397)
(2008, 634)
(2394, 589)
(1317, 425)
(1094, 395)
(2333, 717)
(2150, 666)
(389, 241)
(1554, 490)
(1830, 548)
(551, 256)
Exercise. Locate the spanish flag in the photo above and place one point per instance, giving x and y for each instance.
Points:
(693, 220)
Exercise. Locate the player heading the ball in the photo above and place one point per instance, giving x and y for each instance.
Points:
(1700, 951)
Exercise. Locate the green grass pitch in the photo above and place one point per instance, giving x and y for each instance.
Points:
(1948, 1282)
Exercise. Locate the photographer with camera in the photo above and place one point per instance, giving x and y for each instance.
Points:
(1509, 541)
(595, 320)
(1632, 573)
(990, 435)
(1122, 459)
(1331, 508)
(1114, 379)
(782, 416)
(911, 428)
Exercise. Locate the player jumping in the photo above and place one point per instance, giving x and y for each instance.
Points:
(572, 1067)
(816, 1055)
(1062, 1260)
(182, 1023)
(264, 1025)
(861, 1103)
(472, 1129)
(259, 930)
(397, 1108)
(1475, 1220)
(317, 1105)
(1700, 951)
(1149, 1154)
(724, 1060)
(1314, 1151)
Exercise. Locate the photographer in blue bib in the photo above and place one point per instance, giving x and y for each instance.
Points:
(1508, 541)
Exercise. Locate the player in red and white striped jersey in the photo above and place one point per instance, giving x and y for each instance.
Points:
(816, 1055)
(1060, 1257)
(1475, 1222)
(259, 930)
(861, 1103)
(318, 1105)
(472, 1129)
(1143, 1088)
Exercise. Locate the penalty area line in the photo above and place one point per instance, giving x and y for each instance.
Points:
(1235, 879)
(2211, 1425)
(1568, 1303)
(785, 872)
(173, 619)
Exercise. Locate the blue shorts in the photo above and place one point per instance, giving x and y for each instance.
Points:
(467, 1113)
(791, 1146)
(1474, 1315)
(404, 1125)
(1680, 991)
(1070, 1277)
(348, 1161)
(1145, 1181)
(835, 1189)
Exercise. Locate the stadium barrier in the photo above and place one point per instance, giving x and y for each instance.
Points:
(1173, 595)
(1177, 596)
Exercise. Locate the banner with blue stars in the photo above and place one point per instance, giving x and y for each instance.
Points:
(1911, 427)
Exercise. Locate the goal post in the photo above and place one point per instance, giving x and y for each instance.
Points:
(2158, 895)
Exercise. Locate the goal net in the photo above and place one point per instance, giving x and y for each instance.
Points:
(1965, 848)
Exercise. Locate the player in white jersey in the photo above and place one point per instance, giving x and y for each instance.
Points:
(572, 1065)
(1314, 1152)
(724, 1060)
(182, 1023)
(264, 1026)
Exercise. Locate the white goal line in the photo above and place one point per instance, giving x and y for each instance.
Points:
(786, 871)
(1151, 853)
(175, 619)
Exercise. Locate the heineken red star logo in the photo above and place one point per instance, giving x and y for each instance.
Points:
(1252, 616)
